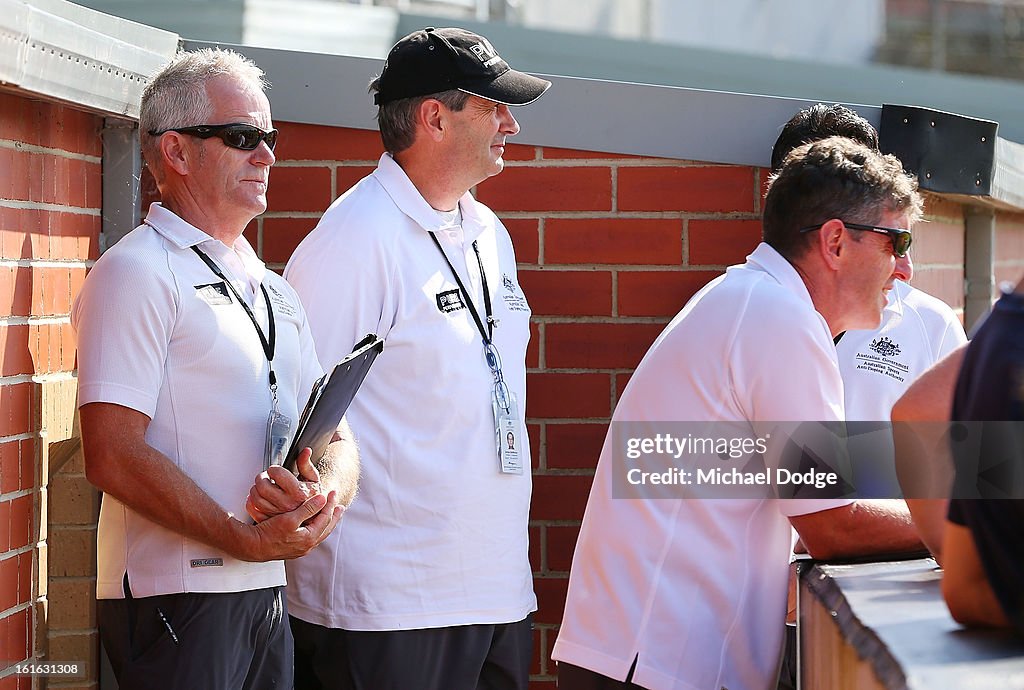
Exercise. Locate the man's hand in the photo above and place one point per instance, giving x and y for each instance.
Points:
(294, 533)
(278, 491)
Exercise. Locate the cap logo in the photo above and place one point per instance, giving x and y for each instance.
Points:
(485, 52)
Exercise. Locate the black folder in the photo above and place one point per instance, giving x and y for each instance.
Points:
(330, 397)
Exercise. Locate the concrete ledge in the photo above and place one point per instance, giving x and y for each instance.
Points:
(892, 615)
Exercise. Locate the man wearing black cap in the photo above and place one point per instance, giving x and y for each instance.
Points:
(429, 584)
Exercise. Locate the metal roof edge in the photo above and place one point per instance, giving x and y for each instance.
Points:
(75, 54)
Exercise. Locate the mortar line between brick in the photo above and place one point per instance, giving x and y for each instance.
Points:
(46, 150)
(43, 263)
(16, 552)
(45, 206)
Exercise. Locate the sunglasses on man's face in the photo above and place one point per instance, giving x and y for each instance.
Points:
(237, 135)
(901, 238)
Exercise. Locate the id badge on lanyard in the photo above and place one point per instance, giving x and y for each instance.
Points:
(279, 425)
(508, 428)
(508, 433)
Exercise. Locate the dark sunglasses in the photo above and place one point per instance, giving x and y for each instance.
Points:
(901, 238)
(237, 135)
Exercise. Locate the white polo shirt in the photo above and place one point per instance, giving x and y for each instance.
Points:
(159, 333)
(879, 365)
(437, 535)
(696, 589)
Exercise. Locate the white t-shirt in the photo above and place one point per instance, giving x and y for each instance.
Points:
(438, 534)
(159, 333)
(878, 366)
(696, 589)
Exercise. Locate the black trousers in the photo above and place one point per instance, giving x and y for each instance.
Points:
(233, 641)
(464, 657)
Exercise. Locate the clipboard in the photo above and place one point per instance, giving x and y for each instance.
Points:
(330, 397)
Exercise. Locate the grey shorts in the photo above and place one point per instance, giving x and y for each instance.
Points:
(234, 641)
(464, 657)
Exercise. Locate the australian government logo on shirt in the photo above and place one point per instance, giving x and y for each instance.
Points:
(513, 296)
(884, 357)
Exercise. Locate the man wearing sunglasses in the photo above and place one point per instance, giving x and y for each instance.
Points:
(917, 330)
(194, 361)
(681, 591)
(429, 585)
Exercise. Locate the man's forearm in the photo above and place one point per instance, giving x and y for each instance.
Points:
(862, 528)
(339, 467)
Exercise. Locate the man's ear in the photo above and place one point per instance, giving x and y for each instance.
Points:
(176, 155)
(832, 242)
(430, 117)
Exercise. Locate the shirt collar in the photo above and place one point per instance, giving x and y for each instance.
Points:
(184, 235)
(410, 202)
(894, 300)
(765, 258)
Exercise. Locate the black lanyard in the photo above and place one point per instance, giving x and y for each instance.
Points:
(268, 345)
(486, 335)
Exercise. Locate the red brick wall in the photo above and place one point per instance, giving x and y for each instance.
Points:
(50, 198)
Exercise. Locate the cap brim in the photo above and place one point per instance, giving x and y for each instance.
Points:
(511, 88)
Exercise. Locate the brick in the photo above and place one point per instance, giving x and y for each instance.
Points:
(10, 578)
(71, 603)
(73, 501)
(299, 141)
(282, 235)
(14, 638)
(83, 181)
(28, 464)
(945, 283)
(79, 647)
(10, 476)
(555, 153)
(943, 243)
(560, 496)
(345, 177)
(550, 599)
(722, 242)
(554, 395)
(613, 241)
(72, 552)
(535, 549)
(568, 293)
(73, 235)
(621, 380)
(47, 124)
(533, 348)
(15, 357)
(5, 530)
(525, 234)
(22, 522)
(700, 190)
(534, 432)
(519, 152)
(574, 446)
(15, 184)
(561, 544)
(598, 345)
(68, 350)
(548, 189)
(56, 291)
(538, 650)
(16, 290)
(15, 409)
(299, 189)
(659, 293)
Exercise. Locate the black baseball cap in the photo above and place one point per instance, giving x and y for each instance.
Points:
(436, 60)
